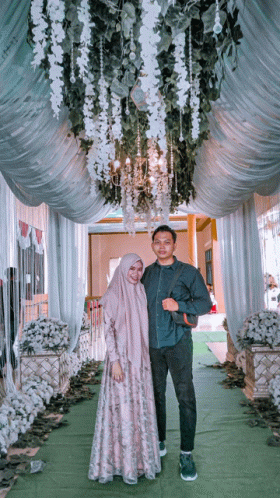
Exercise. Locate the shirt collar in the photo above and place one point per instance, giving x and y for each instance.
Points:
(173, 266)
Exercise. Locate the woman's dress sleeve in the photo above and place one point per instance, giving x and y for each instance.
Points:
(110, 338)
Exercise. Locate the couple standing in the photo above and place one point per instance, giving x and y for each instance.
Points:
(143, 343)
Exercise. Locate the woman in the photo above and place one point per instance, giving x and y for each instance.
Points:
(125, 441)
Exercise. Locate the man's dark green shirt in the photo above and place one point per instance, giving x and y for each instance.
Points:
(190, 292)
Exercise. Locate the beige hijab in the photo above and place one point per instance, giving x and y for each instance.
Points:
(126, 303)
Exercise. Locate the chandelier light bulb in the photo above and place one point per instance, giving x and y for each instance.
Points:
(127, 161)
(117, 164)
(217, 28)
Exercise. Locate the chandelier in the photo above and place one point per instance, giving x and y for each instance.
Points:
(138, 78)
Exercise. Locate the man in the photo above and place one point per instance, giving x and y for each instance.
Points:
(171, 344)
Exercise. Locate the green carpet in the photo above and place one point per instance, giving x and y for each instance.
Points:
(233, 460)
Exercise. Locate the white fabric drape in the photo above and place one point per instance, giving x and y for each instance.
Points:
(8, 294)
(39, 157)
(41, 162)
(242, 154)
(241, 265)
(68, 251)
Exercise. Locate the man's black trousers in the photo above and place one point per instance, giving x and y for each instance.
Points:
(178, 360)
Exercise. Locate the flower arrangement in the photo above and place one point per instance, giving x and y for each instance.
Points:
(44, 334)
(19, 409)
(274, 387)
(261, 328)
(67, 35)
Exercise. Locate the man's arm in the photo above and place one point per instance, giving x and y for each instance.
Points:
(200, 302)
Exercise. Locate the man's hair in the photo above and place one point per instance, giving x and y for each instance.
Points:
(165, 228)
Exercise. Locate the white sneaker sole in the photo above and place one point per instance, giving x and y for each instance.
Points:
(162, 453)
(189, 478)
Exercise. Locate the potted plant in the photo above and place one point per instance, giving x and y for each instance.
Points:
(260, 338)
(43, 348)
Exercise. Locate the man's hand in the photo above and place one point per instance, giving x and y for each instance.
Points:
(170, 304)
(117, 373)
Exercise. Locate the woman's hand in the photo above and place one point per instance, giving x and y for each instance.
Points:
(117, 373)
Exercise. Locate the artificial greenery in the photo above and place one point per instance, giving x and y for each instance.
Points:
(113, 20)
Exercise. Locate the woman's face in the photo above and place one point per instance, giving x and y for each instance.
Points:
(135, 272)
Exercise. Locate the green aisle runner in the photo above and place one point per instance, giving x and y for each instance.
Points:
(233, 460)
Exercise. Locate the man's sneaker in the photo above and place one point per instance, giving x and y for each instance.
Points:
(188, 470)
(162, 449)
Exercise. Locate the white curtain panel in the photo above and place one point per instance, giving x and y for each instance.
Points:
(68, 253)
(9, 299)
(40, 158)
(241, 266)
(41, 161)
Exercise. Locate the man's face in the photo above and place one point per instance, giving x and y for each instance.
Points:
(163, 246)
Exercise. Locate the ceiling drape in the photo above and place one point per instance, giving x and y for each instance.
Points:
(42, 162)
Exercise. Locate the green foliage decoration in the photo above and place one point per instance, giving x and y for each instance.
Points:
(113, 20)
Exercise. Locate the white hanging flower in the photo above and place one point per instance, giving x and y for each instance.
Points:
(85, 40)
(102, 132)
(183, 84)
(195, 103)
(39, 31)
(89, 121)
(149, 78)
(56, 12)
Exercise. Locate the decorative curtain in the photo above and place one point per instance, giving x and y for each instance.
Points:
(241, 266)
(268, 217)
(68, 251)
(9, 288)
(42, 161)
(39, 157)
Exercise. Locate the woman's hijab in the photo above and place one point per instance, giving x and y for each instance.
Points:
(126, 304)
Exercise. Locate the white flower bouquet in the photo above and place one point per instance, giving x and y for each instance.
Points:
(19, 409)
(274, 387)
(44, 334)
(261, 328)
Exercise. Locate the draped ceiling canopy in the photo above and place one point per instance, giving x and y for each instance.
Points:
(42, 162)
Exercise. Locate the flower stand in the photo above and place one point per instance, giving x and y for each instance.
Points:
(84, 346)
(231, 349)
(50, 366)
(262, 364)
(238, 357)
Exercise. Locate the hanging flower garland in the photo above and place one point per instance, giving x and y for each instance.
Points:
(180, 68)
(195, 104)
(144, 47)
(56, 13)
(83, 65)
(102, 130)
(39, 31)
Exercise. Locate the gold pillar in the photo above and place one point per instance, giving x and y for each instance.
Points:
(192, 245)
